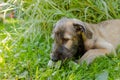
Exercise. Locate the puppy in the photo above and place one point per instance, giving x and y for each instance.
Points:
(74, 39)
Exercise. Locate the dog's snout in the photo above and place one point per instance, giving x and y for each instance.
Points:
(54, 58)
(59, 53)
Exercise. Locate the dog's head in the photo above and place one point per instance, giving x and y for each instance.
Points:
(68, 41)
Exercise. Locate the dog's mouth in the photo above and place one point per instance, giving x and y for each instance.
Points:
(61, 57)
(66, 54)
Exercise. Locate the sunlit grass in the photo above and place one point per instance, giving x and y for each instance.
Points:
(25, 42)
(1, 60)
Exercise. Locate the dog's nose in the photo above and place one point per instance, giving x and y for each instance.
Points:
(54, 59)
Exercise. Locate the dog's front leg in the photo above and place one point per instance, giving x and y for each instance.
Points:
(91, 54)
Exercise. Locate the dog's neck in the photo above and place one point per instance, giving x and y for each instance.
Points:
(81, 48)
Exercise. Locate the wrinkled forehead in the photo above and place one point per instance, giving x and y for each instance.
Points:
(64, 28)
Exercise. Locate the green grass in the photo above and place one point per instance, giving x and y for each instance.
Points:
(25, 42)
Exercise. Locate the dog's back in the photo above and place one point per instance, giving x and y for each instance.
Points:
(110, 31)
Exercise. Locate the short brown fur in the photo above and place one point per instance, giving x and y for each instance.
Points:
(74, 38)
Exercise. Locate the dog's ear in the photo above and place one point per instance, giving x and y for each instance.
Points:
(81, 27)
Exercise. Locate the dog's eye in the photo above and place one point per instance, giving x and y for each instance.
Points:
(65, 40)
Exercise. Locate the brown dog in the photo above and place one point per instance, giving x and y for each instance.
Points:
(74, 38)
